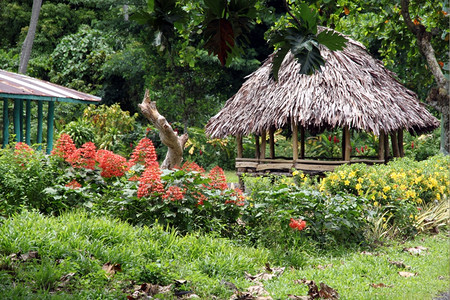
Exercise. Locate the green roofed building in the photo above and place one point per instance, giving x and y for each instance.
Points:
(23, 90)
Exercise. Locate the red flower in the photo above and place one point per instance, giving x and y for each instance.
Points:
(144, 153)
(329, 138)
(84, 157)
(362, 149)
(238, 196)
(174, 193)
(357, 149)
(412, 145)
(112, 165)
(190, 166)
(201, 198)
(73, 184)
(297, 224)
(64, 147)
(218, 179)
(150, 181)
(335, 140)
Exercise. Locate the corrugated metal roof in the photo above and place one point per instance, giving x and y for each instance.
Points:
(13, 85)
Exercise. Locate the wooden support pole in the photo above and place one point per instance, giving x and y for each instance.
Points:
(5, 123)
(257, 153)
(386, 148)
(21, 120)
(381, 145)
(17, 119)
(39, 125)
(294, 141)
(263, 144)
(348, 145)
(272, 142)
(28, 122)
(302, 142)
(400, 143)
(240, 149)
(394, 141)
(50, 117)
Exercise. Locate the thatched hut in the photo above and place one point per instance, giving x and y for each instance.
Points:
(353, 91)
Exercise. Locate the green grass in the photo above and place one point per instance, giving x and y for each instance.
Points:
(231, 176)
(80, 244)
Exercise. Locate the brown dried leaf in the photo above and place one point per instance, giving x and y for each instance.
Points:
(327, 292)
(320, 267)
(380, 285)
(294, 297)
(258, 290)
(367, 253)
(111, 268)
(416, 250)
(399, 264)
(407, 274)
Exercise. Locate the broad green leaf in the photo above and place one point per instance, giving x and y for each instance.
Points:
(220, 38)
(215, 7)
(309, 17)
(332, 40)
(151, 5)
(310, 61)
(278, 59)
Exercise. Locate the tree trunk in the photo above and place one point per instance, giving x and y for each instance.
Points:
(169, 137)
(28, 43)
(438, 97)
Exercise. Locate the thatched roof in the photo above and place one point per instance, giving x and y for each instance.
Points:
(353, 89)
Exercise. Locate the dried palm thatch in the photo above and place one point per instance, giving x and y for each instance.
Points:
(353, 89)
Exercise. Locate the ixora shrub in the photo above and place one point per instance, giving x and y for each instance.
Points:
(279, 210)
(402, 187)
(137, 190)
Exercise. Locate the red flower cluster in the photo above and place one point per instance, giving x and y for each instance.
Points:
(64, 147)
(22, 153)
(112, 165)
(218, 179)
(335, 139)
(297, 224)
(73, 184)
(240, 198)
(201, 198)
(190, 166)
(144, 152)
(84, 157)
(174, 193)
(150, 181)
(362, 149)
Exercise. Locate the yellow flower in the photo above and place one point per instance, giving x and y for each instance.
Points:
(352, 174)
(358, 186)
(295, 173)
(360, 180)
(386, 189)
(438, 196)
(375, 203)
(347, 182)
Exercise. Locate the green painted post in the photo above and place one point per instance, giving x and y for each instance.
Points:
(50, 116)
(21, 120)
(39, 127)
(17, 119)
(28, 123)
(5, 123)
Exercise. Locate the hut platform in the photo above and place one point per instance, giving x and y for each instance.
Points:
(279, 166)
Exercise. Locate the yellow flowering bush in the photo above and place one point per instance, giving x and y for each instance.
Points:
(400, 180)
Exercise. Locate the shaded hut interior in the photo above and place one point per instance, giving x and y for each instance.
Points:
(353, 92)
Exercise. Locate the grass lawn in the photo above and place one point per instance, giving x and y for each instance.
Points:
(231, 176)
(81, 257)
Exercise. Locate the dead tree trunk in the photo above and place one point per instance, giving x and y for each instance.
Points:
(169, 137)
(28, 43)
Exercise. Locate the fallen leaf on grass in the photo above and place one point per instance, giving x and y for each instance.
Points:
(24, 257)
(325, 291)
(258, 291)
(146, 290)
(399, 264)
(380, 285)
(366, 253)
(407, 274)
(111, 268)
(320, 267)
(294, 297)
(269, 274)
(416, 250)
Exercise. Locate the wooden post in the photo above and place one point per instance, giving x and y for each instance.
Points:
(386, 148)
(50, 117)
(302, 142)
(394, 141)
(400, 143)
(263, 144)
(294, 142)
(28, 122)
(21, 121)
(381, 145)
(348, 145)
(39, 125)
(272, 141)
(240, 149)
(17, 115)
(257, 153)
(5, 123)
